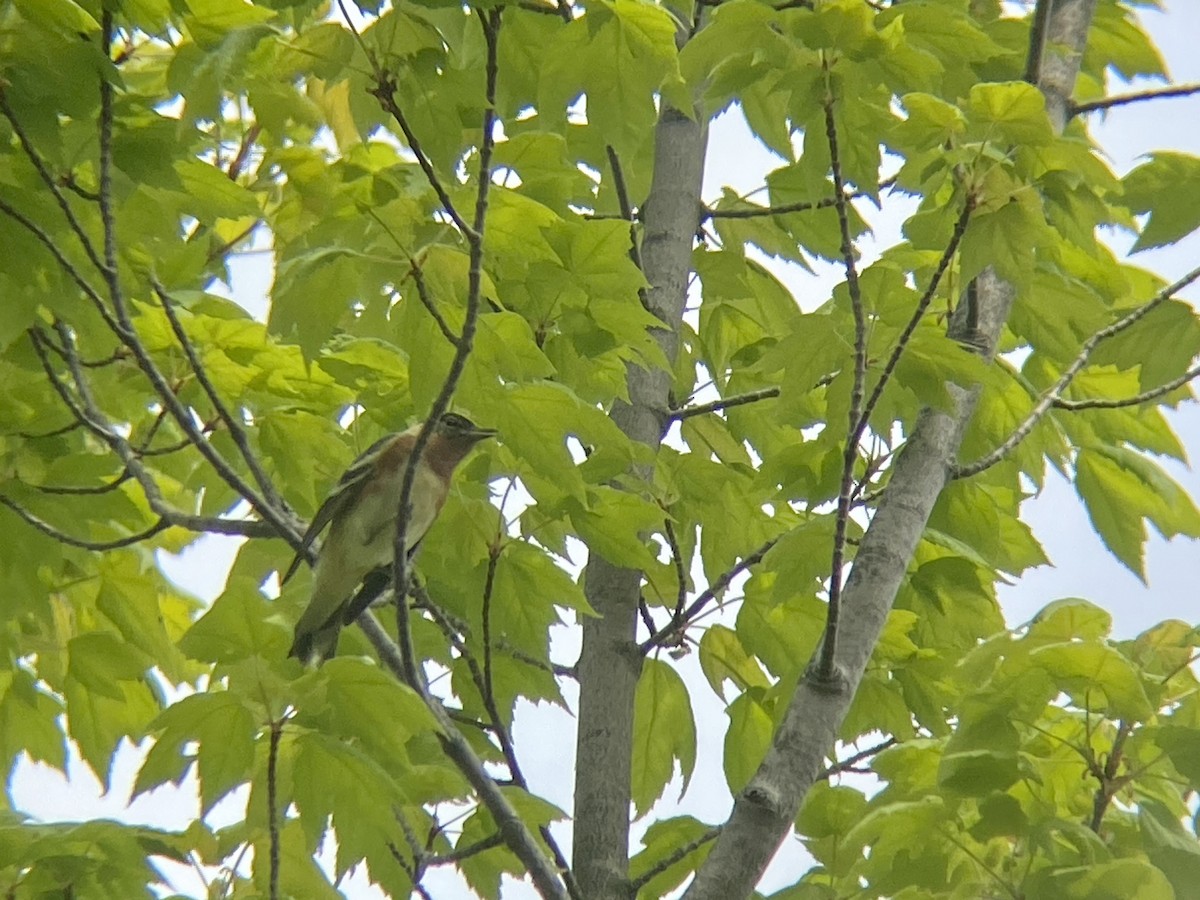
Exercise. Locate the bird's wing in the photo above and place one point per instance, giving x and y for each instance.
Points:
(344, 493)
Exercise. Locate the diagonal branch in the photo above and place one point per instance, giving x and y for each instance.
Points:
(50, 181)
(1176, 90)
(88, 413)
(63, 538)
(663, 635)
(825, 670)
(782, 209)
(1136, 400)
(960, 229)
(240, 439)
(680, 853)
(516, 835)
(1054, 393)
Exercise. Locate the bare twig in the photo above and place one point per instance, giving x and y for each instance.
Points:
(88, 413)
(273, 807)
(848, 764)
(664, 634)
(680, 572)
(50, 181)
(1048, 398)
(636, 884)
(784, 209)
(491, 26)
(63, 538)
(516, 836)
(240, 439)
(1177, 90)
(686, 412)
(627, 212)
(1136, 400)
(458, 854)
(960, 229)
(239, 160)
(826, 666)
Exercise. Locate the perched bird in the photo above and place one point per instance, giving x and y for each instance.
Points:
(361, 512)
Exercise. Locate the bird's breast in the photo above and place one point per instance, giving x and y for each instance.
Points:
(376, 526)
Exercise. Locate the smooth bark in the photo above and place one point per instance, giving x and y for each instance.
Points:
(610, 661)
(764, 811)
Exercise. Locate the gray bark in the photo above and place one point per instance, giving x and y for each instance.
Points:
(610, 661)
(764, 811)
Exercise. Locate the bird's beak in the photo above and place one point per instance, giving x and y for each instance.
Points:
(478, 434)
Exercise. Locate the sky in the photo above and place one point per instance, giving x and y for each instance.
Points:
(544, 736)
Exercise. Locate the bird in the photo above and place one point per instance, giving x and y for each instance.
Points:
(361, 513)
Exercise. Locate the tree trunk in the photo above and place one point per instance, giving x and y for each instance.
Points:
(610, 662)
(765, 810)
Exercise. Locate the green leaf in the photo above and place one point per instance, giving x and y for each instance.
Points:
(1111, 681)
(1013, 111)
(661, 842)
(722, 657)
(664, 731)
(1121, 489)
(746, 741)
(1167, 187)
(225, 730)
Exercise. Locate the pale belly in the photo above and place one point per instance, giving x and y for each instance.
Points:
(375, 530)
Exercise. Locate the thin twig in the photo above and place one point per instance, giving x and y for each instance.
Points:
(59, 257)
(627, 213)
(680, 573)
(474, 235)
(1179, 90)
(960, 229)
(458, 854)
(243, 153)
(50, 181)
(88, 413)
(680, 853)
(850, 762)
(1136, 400)
(240, 439)
(273, 807)
(1048, 398)
(784, 209)
(63, 538)
(686, 412)
(516, 835)
(707, 596)
(827, 661)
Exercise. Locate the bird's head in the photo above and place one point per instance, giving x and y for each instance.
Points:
(452, 439)
(456, 429)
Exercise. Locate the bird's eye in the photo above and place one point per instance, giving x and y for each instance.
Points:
(454, 420)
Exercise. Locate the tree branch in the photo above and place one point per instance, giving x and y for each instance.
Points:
(765, 810)
(825, 670)
(663, 635)
(88, 413)
(1176, 90)
(517, 837)
(783, 209)
(240, 439)
(680, 853)
(50, 181)
(1136, 400)
(1048, 398)
(63, 538)
(686, 412)
(491, 25)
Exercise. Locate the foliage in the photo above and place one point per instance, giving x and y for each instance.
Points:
(145, 143)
